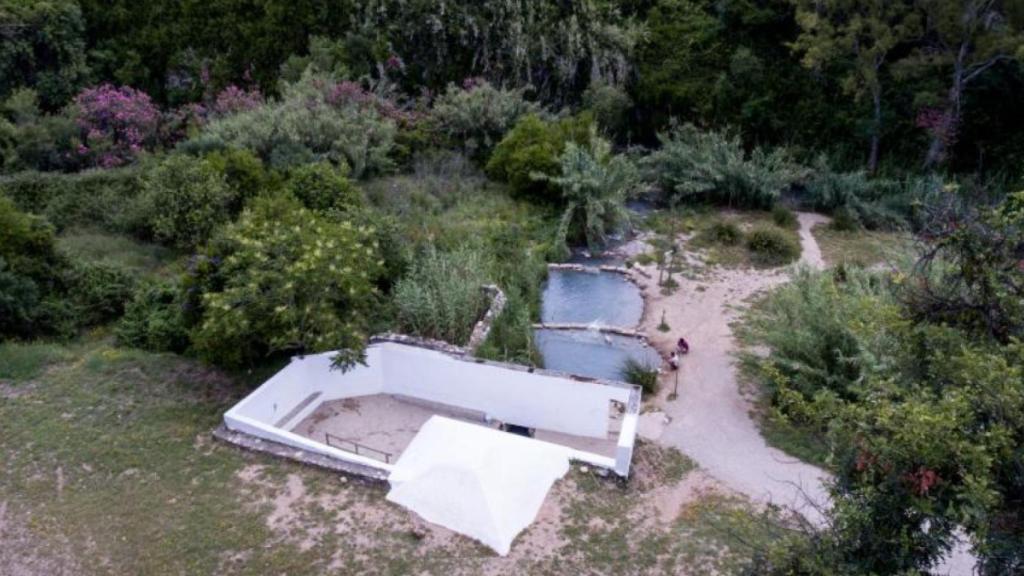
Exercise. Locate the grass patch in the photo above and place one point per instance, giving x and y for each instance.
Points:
(716, 235)
(19, 361)
(712, 535)
(862, 247)
(128, 253)
(640, 374)
(109, 465)
(799, 442)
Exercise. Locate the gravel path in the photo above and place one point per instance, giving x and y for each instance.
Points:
(811, 252)
(710, 420)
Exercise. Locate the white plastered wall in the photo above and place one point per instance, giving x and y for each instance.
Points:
(511, 395)
(514, 396)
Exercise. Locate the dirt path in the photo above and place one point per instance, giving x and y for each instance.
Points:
(811, 252)
(710, 420)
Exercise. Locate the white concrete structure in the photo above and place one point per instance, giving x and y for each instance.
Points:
(401, 366)
(483, 483)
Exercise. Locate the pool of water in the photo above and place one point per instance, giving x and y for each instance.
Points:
(592, 353)
(604, 298)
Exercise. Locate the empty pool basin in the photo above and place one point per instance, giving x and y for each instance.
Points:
(598, 298)
(592, 353)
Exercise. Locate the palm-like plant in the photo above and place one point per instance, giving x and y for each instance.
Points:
(595, 185)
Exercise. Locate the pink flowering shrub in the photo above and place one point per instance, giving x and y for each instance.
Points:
(234, 99)
(348, 93)
(115, 124)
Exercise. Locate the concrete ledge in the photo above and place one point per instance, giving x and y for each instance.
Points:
(254, 444)
(483, 328)
(587, 327)
(592, 269)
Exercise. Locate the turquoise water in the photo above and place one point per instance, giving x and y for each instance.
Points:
(592, 353)
(596, 299)
(604, 298)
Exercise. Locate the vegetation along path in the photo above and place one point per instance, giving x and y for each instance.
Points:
(710, 420)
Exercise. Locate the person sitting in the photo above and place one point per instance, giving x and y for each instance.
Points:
(682, 346)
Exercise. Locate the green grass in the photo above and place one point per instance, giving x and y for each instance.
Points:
(20, 361)
(109, 467)
(712, 535)
(104, 247)
(801, 443)
(862, 247)
(735, 255)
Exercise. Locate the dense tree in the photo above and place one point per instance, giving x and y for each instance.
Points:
(964, 40)
(175, 49)
(42, 46)
(556, 47)
(863, 33)
(284, 278)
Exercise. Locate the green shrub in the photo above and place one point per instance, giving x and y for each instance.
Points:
(93, 198)
(875, 204)
(696, 166)
(184, 199)
(244, 173)
(610, 105)
(153, 320)
(100, 292)
(28, 245)
(845, 219)
(314, 120)
(725, 232)
(19, 303)
(33, 277)
(477, 116)
(529, 156)
(785, 218)
(595, 185)
(284, 278)
(322, 186)
(42, 293)
(31, 140)
(442, 297)
(772, 247)
(640, 374)
(810, 326)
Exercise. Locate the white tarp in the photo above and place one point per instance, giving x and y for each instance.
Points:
(481, 482)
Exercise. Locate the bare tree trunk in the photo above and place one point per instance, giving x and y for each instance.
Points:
(876, 129)
(943, 134)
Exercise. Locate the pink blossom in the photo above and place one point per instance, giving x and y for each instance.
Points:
(394, 62)
(116, 124)
(234, 99)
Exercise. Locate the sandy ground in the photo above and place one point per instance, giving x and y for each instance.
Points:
(710, 421)
(305, 516)
(386, 424)
(811, 252)
(22, 553)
